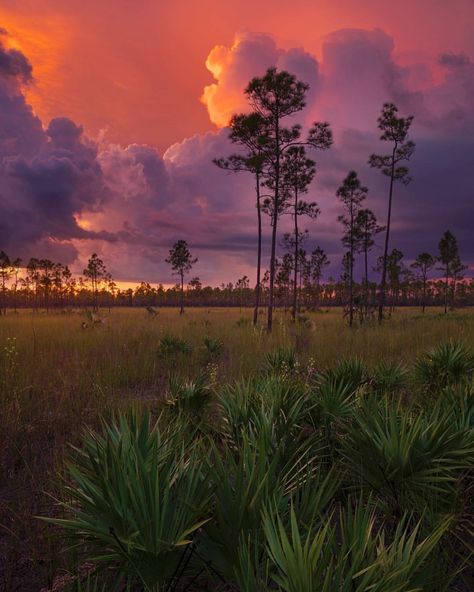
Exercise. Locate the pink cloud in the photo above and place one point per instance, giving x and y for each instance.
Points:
(65, 195)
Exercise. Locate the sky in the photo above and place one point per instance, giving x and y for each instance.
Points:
(111, 113)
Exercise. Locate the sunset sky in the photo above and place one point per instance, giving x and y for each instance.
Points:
(111, 112)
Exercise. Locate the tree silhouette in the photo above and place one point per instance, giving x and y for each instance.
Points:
(423, 265)
(448, 256)
(195, 283)
(283, 274)
(457, 270)
(96, 272)
(275, 96)
(241, 285)
(318, 261)
(16, 266)
(394, 271)
(394, 130)
(367, 228)
(345, 278)
(34, 277)
(249, 131)
(297, 173)
(181, 262)
(394, 268)
(46, 267)
(351, 193)
(5, 274)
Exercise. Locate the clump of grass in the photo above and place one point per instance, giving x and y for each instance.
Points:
(190, 397)
(282, 362)
(263, 506)
(389, 378)
(170, 345)
(137, 498)
(444, 365)
(213, 346)
(315, 557)
(350, 372)
(410, 460)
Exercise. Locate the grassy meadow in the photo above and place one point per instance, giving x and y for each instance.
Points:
(58, 378)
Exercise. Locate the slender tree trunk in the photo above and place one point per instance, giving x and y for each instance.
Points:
(94, 292)
(15, 294)
(181, 310)
(387, 237)
(366, 278)
(274, 226)
(295, 277)
(301, 299)
(3, 306)
(446, 286)
(424, 295)
(272, 276)
(351, 271)
(259, 252)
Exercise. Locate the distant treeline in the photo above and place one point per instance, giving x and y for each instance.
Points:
(45, 285)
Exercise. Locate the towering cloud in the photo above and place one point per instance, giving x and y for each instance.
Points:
(20, 130)
(249, 56)
(63, 195)
(47, 177)
(361, 73)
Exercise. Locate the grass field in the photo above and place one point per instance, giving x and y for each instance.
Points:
(58, 377)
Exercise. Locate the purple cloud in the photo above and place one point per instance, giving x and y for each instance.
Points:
(63, 195)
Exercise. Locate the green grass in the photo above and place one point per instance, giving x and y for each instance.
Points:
(56, 378)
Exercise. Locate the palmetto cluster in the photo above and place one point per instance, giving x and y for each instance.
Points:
(356, 479)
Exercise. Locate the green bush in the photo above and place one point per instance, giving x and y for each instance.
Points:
(445, 365)
(137, 496)
(335, 485)
(170, 345)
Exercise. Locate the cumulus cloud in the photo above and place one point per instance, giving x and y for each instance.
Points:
(454, 60)
(47, 177)
(360, 74)
(20, 130)
(14, 65)
(451, 103)
(63, 195)
(250, 55)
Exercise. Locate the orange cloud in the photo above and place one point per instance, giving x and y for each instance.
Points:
(251, 54)
(44, 43)
(137, 68)
(221, 104)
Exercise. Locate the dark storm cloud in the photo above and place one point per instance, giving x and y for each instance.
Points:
(360, 74)
(454, 59)
(441, 197)
(64, 134)
(47, 177)
(53, 177)
(134, 204)
(20, 130)
(450, 104)
(13, 64)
